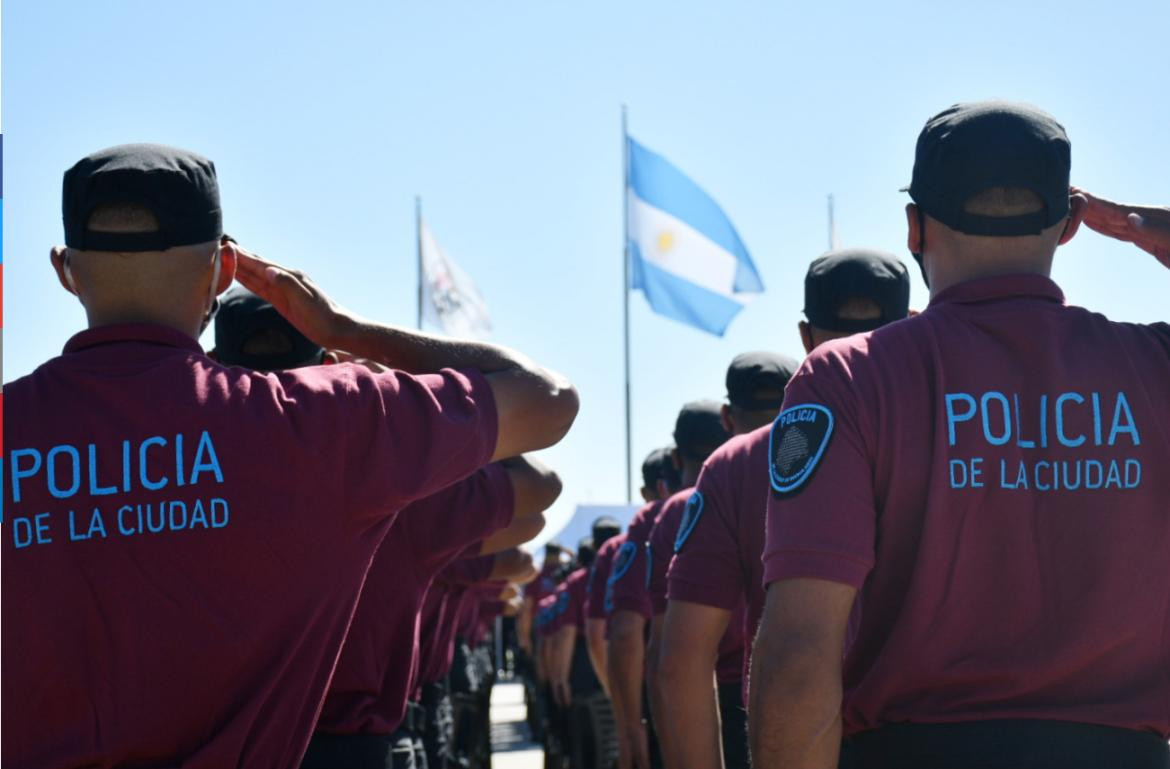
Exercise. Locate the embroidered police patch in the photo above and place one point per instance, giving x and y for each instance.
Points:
(623, 561)
(689, 520)
(799, 438)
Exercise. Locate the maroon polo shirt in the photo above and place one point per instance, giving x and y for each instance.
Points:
(678, 511)
(719, 563)
(372, 681)
(544, 584)
(599, 576)
(626, 587)
(994, 485)
(185, 542)
(441, 613)
(576, 588)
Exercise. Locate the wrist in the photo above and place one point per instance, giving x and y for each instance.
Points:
(343, 330)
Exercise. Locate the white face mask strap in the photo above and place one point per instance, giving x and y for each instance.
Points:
(69, 274)
(217, 257)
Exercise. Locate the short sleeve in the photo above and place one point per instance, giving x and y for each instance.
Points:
(598, 579)
(659, 552)
(445, 525)
(391, 438)
(706, 569)
(626, 588)
(821, 519)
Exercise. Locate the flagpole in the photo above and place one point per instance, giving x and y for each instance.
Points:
(626, 297)
(419, 255)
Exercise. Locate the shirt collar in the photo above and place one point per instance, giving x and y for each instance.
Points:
(999, 288)
(123, 333)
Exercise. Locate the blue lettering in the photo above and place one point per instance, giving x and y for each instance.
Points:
(122, 528)
(1007, 423)
(152, 525)
(1076, 482)
(18, 473)
(1092, 482)
(1044, 421)
(174, 522)
(179, 481)
(210, 463)
(51, 467)
(1133, 479)
(126, 466)
(976, 471)
(953, 417)
(22, 532)
(1019, 432)
(1060, 434)
(958, 479)
(1114, 475)
(1036, 482)
(221, 520)
(94, 488)
(198, 515)
(1096, 401)
(41, 528)
(1129, 426)
(142, 456)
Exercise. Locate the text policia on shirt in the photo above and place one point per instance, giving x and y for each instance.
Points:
(150, 465)
(1059, 421)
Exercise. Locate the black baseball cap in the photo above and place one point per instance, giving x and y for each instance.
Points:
(699, 429)
(968, 148)
(653, 466)
(756, 380)
(604, 529)
(177, 186)
(838, 276)
(241, 317)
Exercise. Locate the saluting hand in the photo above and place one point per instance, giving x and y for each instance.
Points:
(1147, 227)
(294, 296)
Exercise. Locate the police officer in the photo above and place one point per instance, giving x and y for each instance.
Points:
(159, 538)
(715, 578)
(985, 482)
(367, 719)
(660, 479)
(699, 430)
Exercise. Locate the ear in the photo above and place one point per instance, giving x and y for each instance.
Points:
(663, 488)
(806, 336)
(647, 495)
(1076, 215)
(227, 267)
(329, 358)
(59, 257)
(913, 225)
(725, 418)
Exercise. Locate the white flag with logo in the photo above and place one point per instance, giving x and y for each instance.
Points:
(451, 301)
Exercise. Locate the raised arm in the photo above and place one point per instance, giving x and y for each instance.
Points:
(535, 406)
(1147, 227)
(534, 488)
(512, 565)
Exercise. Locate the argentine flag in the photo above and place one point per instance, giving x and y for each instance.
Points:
(686, 256)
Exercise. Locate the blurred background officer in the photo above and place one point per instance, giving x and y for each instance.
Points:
(716, 574)
(193, 576)
(660, 479)
(699, 430)
(984, 481)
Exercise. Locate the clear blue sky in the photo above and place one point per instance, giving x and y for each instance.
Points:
(326, 120)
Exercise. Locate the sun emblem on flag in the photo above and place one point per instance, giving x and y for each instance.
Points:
(665, 241)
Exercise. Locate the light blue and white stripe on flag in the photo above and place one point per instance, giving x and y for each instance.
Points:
(687, 257)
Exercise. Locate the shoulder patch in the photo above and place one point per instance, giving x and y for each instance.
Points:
(623, 561)
(689, 520)
(798, 441)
